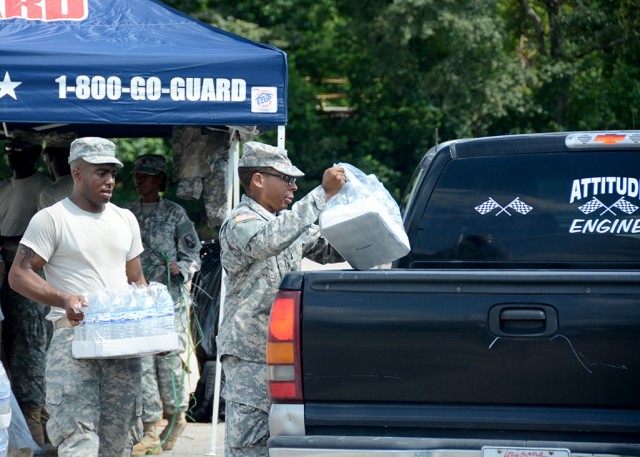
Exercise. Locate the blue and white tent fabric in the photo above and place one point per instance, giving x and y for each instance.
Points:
(136, 65)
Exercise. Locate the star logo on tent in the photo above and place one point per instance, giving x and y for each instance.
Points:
(8, 87)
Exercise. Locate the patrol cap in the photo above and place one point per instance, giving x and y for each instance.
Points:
(24, 139)
(94, 150)
(59, 140)
(150, 164)
(260, 155)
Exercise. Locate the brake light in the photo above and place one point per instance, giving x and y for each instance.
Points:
(284, 374)
(610, 138)
(600, 140)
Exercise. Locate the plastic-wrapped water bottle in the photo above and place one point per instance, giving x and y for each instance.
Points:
(4, 442)
(119, 325)
(164, 307)
(146, 305)
(90, 326)
(94, 316)
(80, 331)
(133, 314)
(102, 323)
(5, 392)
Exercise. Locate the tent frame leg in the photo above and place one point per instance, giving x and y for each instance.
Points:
(233, 191)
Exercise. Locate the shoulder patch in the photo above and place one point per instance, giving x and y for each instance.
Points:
(244, 217)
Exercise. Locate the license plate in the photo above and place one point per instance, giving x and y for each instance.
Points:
(524, 452)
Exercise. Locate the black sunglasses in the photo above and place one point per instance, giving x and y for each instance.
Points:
(290, 180)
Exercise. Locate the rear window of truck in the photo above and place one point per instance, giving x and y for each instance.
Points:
(578, 206)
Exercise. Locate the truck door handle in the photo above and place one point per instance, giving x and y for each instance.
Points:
(522, 314)
(523, 320)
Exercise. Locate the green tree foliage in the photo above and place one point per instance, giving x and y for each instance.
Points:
(407, 67)
(582, 57)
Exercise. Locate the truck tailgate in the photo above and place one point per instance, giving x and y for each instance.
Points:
(472, 338)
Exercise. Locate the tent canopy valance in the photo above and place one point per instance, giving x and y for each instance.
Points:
(131, 68)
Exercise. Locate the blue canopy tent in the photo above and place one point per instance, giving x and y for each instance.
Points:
(134, 68)
(131, 68)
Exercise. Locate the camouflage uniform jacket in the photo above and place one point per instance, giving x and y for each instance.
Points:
(168, 234)
(257, 249)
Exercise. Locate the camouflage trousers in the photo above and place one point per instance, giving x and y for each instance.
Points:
(92, 402)
(246, 408)
(163, 386)
(25, 341)
(163, 376)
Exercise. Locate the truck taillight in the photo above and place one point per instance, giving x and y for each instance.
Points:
(601, 140)
(284, 375)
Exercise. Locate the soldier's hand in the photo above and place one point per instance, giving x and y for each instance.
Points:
(333, 180)
(174, 269)
(75, 309)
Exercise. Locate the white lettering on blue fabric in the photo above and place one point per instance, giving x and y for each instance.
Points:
(152, 88)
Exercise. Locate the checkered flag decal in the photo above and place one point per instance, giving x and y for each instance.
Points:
(520, 206)
(517, 205)
(621, 204)
(487, 206)
(591, 206)
(625, 206)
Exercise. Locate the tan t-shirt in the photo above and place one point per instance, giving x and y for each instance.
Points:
(85, 252)
(55, 192)
(18, 203)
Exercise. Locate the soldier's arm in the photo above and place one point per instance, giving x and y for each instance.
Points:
(188, 251)
(24, 279)
(135, 275)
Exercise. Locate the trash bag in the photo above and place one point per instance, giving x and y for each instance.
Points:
(205, 294)
(201, 401)
(204, 321)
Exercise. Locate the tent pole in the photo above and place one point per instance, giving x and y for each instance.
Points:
(233, 197)
(281, 136)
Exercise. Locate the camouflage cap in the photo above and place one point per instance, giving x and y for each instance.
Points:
(260, 155)
(59, 140)
(94, 150)
(24, 139)
(150, 164)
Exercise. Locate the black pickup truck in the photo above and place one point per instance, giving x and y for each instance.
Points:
(511, 329)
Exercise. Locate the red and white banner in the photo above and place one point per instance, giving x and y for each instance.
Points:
(44, 10)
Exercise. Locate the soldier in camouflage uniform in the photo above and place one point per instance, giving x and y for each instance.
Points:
(25, 328)
(56, 154)
(260, 242)
(171, 256)
(84, 243)
(200, 161)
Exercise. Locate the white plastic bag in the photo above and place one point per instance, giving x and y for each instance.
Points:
(363, 222)
(19, 434)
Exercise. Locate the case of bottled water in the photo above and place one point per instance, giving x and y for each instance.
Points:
(126, 323)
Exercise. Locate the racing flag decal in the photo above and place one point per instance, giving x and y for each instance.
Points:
(516, 205)
(595, 204)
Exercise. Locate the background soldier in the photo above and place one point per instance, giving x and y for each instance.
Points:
(25, 334)
(171, 256)
(56, 155)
